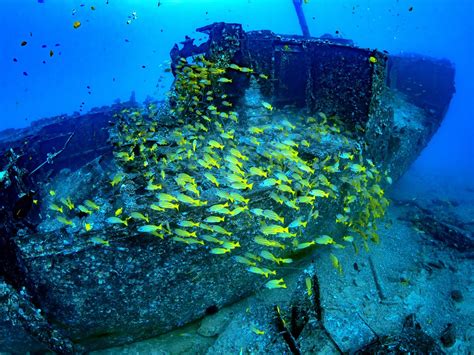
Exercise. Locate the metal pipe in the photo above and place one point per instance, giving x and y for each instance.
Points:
(301, 19)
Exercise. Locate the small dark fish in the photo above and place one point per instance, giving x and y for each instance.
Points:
(25, 73)
(143, 66)
(51, 53)
(23, 43)
(57, 44)
(126, 40)
(41, 1)
(88, 86)
(411, 8)
(44, 46)
(44, 62)
(15, 60)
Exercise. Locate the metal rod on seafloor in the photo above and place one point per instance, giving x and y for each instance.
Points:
(301, 19)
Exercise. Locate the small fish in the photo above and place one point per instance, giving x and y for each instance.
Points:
(88, 227)
(319, 193)
(97, 240)
(372, 59)
(214, 219)
(52, 192)
(210, 238)
(254, 171)
(224, 80)
(335, 263)
(298, 223)
(92, 205)
(151, 229)
(267, 106)
(257, 331)
(348, 238)
(357, 168)
(304, 245)
(56, 208)
(184, 233)
(324, 240)
(51, 53)
(269, 214)
(138, 215)
(261, 271)
(218, 208)
(244, 260)
(211, 178)
(116, 179)
(166, 197)
(309, 286)
(168, 205)
(84, 209)
(188, 224)
(213, 144)
(268, 243)
(188, 240)
(118, 211)
(76, 24)
(65, 221)
(220, 230)
(116, 220)
(23, 43)
(275, 284)
(220, 251)
(67, 202)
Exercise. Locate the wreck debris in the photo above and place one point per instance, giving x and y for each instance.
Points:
(50, 156)
(378, 285)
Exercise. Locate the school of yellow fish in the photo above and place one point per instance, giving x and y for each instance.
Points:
(212, 172)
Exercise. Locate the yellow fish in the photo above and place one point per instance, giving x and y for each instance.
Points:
(168, 205)
(219, 250)
(254, 171)
(335, 263)
(214, 144)
(117, 178)
(244, 260)
(275, 284)
(56, 208)
(65, 221)
(268, 243)
(92, 205)
(211, 178)
(97, 240)
(67, 202)
(267, 106)
(324, 240)
(184, 233)
(116, 220)
(84, 209)
(261, 271)
(138, 215)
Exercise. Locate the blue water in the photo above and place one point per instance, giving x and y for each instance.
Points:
(107, 55)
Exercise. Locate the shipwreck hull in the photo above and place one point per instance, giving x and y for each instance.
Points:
(93, 297)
